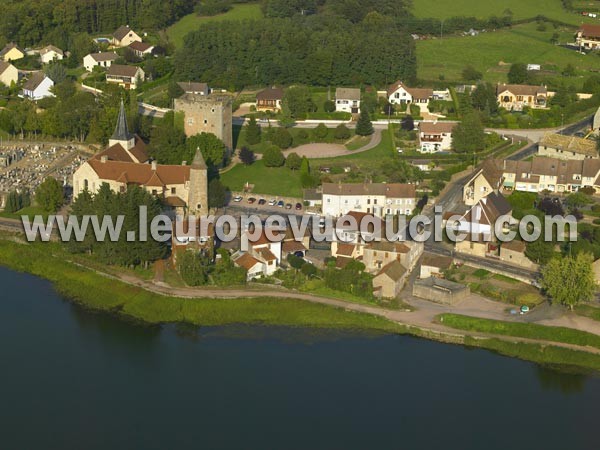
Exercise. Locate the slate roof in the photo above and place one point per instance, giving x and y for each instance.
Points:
(347, 93)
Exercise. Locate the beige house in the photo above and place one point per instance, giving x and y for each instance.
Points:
(567, 147)
(128, 77)
(514, 97)
(388, 283)
(588, 36)
(182, 189)
(124, 36)
(486, 178)
(269, 99)
(513, 252)
(398, 93)
(11, 52)
(377, 255)
(9, 74)
(434, 265)
(141, 49)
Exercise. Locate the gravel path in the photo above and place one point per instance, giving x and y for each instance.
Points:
(333, 150)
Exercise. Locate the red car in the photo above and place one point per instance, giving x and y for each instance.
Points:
(298, 206)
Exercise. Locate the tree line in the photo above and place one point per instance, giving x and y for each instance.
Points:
(316, 50)
(30, 22)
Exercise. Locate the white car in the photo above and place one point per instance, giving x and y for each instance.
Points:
(273, 202)
(239, 198)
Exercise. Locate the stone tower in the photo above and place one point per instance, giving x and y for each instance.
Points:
(122, 135)
(198, 192)
(209, 114)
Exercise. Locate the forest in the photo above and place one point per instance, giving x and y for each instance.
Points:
(30, 22)
(317, 50)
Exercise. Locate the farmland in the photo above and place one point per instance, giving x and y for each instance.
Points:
(191, 22)
(521, 9)
(493, 52)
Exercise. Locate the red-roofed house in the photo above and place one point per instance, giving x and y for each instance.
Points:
(588, 36)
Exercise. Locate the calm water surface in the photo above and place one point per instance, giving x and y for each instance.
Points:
(71, 379)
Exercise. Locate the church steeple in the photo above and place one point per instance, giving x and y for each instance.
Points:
(122, 135)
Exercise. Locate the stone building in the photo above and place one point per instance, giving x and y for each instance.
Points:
(207, 114)
(182, 189)
(439, 290)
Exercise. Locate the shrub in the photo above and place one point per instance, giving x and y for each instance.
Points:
(321, 131)
(329, 106)
(273, 157)
(341, 132)
(282, 138)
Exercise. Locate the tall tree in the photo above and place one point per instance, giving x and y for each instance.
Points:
(252, 132)
(364, 127)
(469, 135)
(569, 280)
(247, 156)
(517, 74)
(273, 157)
(49, 195)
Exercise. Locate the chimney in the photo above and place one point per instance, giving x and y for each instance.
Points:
(103, 159)
(154, 166)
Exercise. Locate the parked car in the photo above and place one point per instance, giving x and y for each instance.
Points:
(298, 206)
(280, 204)
(288, 206)
(262, 201)
(251, 200)
(273, 202)
(238, 198)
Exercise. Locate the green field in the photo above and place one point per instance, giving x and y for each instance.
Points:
(493, 52)
(191, 22)
(482, 9)
(272, 181)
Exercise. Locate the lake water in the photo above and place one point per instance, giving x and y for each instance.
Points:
(71, 379)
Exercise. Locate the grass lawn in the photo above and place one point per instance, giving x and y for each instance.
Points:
(593, 312)
(266, 180)
(358, 142)
(521, 9)
(30, 211)
(525, 330)
(493, 52)
(191, 22)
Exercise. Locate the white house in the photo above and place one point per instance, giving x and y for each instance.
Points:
(347, 100)
(38, 86)
(51, 53)
(379, 199)
(398, 93)
(9, 74)
(103, 60)
(192, 87)
(435, 136)
(140, 49)
(258, 255)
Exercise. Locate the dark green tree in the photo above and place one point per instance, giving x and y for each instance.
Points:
(282, 138)
(217, 194)
(341, 132)
(518, 74)
(247, 156)
(469, 136)
(252, 132)
(320, 131)
(49, 195)
(364, 127)
(293, 161)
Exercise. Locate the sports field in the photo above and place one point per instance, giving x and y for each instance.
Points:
(493, 52)
(482, 9)
(191, 22)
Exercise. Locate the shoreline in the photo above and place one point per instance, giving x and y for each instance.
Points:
(134, 300)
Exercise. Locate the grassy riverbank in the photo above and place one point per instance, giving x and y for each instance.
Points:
(524, 330)
(97, 292)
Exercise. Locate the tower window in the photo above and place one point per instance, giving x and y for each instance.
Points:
(205, 121)
(173, 190)
(198, 206)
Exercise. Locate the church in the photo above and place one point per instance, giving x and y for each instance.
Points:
(182, 189)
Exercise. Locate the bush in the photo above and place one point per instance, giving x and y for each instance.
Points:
(321, 131)
(342, 132)
(282, 138)
(329, 106)
(293, 161)
(273, 157)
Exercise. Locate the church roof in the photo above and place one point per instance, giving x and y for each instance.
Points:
(121, 130)
(117, 152)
